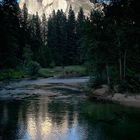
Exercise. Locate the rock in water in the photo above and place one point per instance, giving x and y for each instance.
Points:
(47, 6)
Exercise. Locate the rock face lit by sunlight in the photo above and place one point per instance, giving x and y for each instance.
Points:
(47, 6)
(32, 5)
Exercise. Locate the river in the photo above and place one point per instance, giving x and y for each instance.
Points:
(55, 109)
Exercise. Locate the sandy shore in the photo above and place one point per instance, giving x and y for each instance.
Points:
(124, 99)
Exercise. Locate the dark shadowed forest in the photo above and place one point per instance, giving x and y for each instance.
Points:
(67, 75)
(106, 43)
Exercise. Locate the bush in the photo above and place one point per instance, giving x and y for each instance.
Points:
(44, 72)
(96, 82)
(131, 84)
(11, 74)
(52, 64)
(123, 86)
(33, 68)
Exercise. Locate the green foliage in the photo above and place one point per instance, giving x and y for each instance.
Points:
(33, 68)
(44, 72)
(9, 34)
(52, 64)
(65, 37)
(12, 74)
(57, 37)
(74, 71)
(67, 71)
(27, 54)
(123, 86)
(71, 38)
(80, 24)
(95, 82)
(112, 53)
(131, 84)
(107, 42)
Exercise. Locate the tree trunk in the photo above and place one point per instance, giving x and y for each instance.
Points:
(120, 66)
(124, 73)
(107, 72)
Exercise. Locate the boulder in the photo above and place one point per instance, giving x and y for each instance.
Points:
(101, 92)
(118, 97)
(137, 97)
(116, 88)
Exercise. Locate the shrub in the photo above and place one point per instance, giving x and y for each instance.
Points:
(131, 84)
(52, 64)
(123, 86)
(96, 82)
(11, 74)
(33, 68)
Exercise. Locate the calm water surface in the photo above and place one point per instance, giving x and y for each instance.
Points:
(68, 117)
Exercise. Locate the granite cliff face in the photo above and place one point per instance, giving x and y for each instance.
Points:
(47, 6)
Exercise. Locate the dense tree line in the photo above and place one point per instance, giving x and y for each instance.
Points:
(113, 45)
(25, 38)
(108, 42)
(64, 34)
(9, 34)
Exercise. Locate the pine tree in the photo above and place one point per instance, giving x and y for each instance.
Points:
(24, 17)
(61, 36)
(24, 32)
(71, 38)
(57, 37)
(9, 35)
(52, 37)
(44, 29)
(80, 35)
(45, 52)
(36, 44)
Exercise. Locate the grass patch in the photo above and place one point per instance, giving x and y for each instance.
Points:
(64, 72)
(12, 74)
(67, 71)
(45, 72)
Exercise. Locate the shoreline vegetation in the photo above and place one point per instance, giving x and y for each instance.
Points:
(59, 72)
(100, 94)
(107, 44)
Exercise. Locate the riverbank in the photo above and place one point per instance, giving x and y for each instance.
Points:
(19, 90)
(103, 94)
(125, 99)
(63, 114)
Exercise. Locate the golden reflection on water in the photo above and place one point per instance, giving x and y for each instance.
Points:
(39, 129)
(44, 126)
(42, 119)
(54, 119)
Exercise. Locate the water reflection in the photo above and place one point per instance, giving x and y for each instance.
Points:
(38, 120)
(68, 119)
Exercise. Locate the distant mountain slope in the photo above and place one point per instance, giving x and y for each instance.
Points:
(47, 6)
